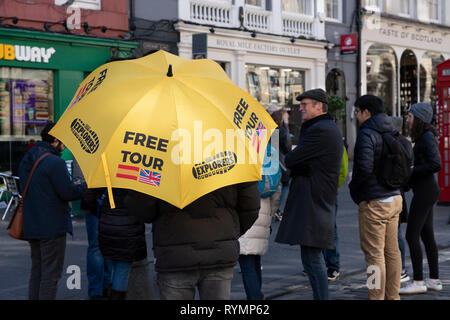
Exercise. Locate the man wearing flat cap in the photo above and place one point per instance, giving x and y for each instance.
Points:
(308, 218)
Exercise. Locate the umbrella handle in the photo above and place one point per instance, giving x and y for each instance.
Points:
(108, 181)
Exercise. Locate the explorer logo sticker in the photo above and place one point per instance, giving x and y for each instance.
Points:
(219, 164)
(87, 137)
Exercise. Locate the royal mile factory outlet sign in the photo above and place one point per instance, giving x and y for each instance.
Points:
(254, 46)
(409, 35)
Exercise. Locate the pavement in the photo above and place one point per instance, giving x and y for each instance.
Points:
(282, 278)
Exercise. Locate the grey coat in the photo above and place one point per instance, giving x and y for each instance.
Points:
(315, 163)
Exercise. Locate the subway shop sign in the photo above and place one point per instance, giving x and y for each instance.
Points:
(26, 53)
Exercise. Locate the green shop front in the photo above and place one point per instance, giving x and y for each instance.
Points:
(39, 75)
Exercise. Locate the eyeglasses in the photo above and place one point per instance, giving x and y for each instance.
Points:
(357, 111)
(303, 105)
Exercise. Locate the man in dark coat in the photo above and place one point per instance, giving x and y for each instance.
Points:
(315, 164)
(198, 246)
(46, 213)
(379, 206)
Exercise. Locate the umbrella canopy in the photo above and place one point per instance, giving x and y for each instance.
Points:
(169, 127)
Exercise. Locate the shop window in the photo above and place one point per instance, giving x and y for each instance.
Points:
(428, 77)
(408, 84)
(277, 86)
(381, 67)
(298, 6)
(26, 105)
(83, 4)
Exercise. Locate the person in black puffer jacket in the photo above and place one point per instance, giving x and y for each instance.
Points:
(198, 246)
(427, 161)
(121, 238)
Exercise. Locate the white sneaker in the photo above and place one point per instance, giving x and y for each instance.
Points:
(404, 278)
(433, 284)
(414, 288)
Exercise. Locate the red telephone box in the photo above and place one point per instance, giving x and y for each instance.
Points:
(443, 126)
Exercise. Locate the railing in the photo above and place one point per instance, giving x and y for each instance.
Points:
(298, 25)
(257, 19)
(223, 13)
(210, 12)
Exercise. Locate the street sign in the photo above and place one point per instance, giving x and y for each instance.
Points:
(349, 43)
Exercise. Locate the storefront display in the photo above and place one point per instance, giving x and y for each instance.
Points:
(29, 103)
(277, 86)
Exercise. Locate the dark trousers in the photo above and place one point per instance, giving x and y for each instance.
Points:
(332, 255)
(315, 268)
(47, 261)
(251, 275)
(420, 225)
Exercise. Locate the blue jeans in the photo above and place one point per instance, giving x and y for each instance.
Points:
(251, 275)
(98, 272)
(283, 196)
(314, 266)
(401, 245)
(332, 256)
(120, 274)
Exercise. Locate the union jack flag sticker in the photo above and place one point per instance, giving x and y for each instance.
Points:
(150, 177)
(259, 135)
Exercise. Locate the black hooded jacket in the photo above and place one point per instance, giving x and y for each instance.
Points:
(202, 235)
(364, 185)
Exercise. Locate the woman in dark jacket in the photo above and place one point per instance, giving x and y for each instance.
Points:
(121, 239)
(427, 162)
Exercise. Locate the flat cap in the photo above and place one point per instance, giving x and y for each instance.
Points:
(315, 94)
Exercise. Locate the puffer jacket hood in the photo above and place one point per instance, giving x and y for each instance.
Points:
(380, 122)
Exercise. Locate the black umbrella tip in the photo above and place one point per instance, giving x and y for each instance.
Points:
(169, 73)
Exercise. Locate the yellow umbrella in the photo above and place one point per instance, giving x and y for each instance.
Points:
(169, 127)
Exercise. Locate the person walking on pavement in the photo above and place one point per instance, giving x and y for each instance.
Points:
(379, 206)
(46, 213)
(427, 162)
(121, 239)
(332, 256)
(308, 219)
(198, 247)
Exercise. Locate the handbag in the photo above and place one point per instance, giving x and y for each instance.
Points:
(15, 226)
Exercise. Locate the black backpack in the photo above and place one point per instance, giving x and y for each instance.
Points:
(396, 162)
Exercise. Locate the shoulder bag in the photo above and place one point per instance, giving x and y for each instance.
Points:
(15, 226)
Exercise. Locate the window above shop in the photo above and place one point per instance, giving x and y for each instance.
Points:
(374, 5)
(333, 10)
(304, 7)
(256, 3)
(83, 4)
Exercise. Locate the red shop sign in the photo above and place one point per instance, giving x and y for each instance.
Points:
(349, 43)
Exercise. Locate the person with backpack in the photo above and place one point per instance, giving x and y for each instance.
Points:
(378, 197)
(285, 146)
(254, 243)
(308, 218)
(427, 162)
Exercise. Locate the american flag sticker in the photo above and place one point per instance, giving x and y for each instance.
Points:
(127, 172)
(150, 177)
(259, 135)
